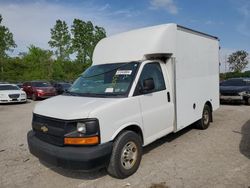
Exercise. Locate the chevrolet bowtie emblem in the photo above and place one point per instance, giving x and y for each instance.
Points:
(44, 129)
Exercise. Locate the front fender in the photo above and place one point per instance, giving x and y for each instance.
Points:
(121, 128)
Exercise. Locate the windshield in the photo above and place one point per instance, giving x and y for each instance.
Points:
(236, 82)
(41, 84)
(66, 86)
(9, 87)
(105, 80)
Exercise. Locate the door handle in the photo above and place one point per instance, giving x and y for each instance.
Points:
(168, 94)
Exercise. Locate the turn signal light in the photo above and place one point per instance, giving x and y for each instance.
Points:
(81, 141)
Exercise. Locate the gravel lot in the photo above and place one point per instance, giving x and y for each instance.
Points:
(216, 157)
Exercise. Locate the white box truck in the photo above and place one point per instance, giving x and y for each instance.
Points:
(143, 85)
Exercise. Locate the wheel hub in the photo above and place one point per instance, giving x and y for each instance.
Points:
(129, 155)
(206, 117)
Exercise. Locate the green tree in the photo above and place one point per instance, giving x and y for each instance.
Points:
(85, 38)
(39, 63)
(6, 43)
(13, 69)
(99, 34)
(58, 70)
(238, 61)
(61, 40)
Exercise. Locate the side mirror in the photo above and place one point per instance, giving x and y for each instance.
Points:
(148, 85)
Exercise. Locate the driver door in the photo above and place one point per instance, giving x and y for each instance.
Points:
(157, 108)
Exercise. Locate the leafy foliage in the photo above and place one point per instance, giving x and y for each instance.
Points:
(85, 38)
(13, 70)
(6, 40)
(6, 44)
(39, 63)
(238, 61)
(43, 64)
(225, 76)
(61, 40)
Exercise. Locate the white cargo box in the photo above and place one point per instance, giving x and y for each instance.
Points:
(192, 63)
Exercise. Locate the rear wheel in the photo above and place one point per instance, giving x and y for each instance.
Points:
(126, 155)
(247, 101)
(205, 120)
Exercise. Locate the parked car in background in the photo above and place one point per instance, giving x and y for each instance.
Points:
(10, 93)
(61, 87)
(19, 84)
(39, 89)
(235, 89)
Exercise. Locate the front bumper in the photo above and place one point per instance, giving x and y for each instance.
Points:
(45, 95)
(231, 98)
(70, 157)
(9, 100)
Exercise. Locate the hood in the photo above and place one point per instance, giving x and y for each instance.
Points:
(11, 92)
(70, 107)
(46, 89)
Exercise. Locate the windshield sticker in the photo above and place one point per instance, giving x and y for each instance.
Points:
(123, 72)
(109, 90)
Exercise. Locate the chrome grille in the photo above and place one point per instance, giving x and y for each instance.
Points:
(14, 96)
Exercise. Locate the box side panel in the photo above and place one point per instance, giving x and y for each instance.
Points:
(197, 76)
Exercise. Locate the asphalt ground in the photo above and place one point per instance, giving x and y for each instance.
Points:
(216, 157)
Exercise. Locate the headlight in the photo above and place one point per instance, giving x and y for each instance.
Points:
(23, 94)
(87, 132)
(81, 127)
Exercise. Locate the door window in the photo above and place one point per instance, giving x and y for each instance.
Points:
(151, 70)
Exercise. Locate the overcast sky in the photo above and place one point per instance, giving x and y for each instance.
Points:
(31, 21)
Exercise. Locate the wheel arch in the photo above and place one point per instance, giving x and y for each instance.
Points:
(131, 127)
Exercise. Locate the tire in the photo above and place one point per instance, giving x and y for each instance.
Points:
(247, 101)
(205, 120)
(126, 155)
(34, 98)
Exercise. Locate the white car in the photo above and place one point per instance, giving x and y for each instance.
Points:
(10, 93)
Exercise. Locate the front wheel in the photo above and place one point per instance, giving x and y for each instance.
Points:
(126, 155)
(205, 120)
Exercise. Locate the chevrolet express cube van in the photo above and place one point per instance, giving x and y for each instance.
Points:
(143, 85)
